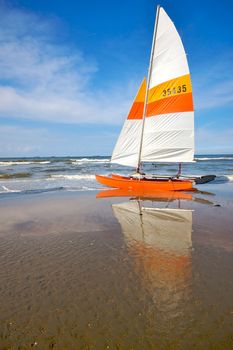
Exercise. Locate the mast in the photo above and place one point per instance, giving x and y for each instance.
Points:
(147, 86)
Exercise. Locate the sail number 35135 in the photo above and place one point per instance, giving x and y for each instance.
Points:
(175, 90)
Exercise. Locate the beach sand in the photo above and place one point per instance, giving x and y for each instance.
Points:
(77, 273)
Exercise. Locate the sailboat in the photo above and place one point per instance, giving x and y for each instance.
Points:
(160, 124)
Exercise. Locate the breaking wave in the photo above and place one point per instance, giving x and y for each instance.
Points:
(213, 158)
(90, 160)
(6, 190)
(8, 163)
(73, 177)
(223, 178)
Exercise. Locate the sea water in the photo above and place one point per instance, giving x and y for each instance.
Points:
(42, 174)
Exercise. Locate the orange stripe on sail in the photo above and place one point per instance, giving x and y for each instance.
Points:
(173, 87)
(178, 98)
(171, 104)
(141, 94)
(136, 111)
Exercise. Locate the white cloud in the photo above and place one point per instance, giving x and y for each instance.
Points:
(40, 80)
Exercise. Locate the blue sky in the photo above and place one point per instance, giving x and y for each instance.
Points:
(70, 69)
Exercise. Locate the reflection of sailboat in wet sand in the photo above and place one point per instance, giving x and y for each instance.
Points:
(165, 196)
(157, 196)
(159, 241)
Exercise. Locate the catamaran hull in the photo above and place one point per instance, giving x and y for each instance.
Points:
(123, 182)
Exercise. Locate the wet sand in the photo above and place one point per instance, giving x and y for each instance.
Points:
(77, 273)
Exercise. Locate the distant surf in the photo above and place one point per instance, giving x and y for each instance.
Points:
(7, 163)
(213, 158)
(38, 174)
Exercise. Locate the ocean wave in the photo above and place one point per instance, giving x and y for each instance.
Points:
(5, 190)
(223, 178)
(15, 176)
(56, 169)
(213, 158)
(73, 177)
(89, 160)
(8, 163)
(78, 189)
(38, 190)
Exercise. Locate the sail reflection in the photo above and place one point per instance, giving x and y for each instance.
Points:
(159, 242)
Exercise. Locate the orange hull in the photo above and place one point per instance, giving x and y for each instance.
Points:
(123, 182)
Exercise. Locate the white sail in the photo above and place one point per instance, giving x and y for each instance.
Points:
(126, 150)
(169, 125)
(168, 134)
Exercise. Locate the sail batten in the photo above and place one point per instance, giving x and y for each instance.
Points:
(168, 128)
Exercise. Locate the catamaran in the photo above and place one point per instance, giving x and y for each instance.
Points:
(160, 124)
